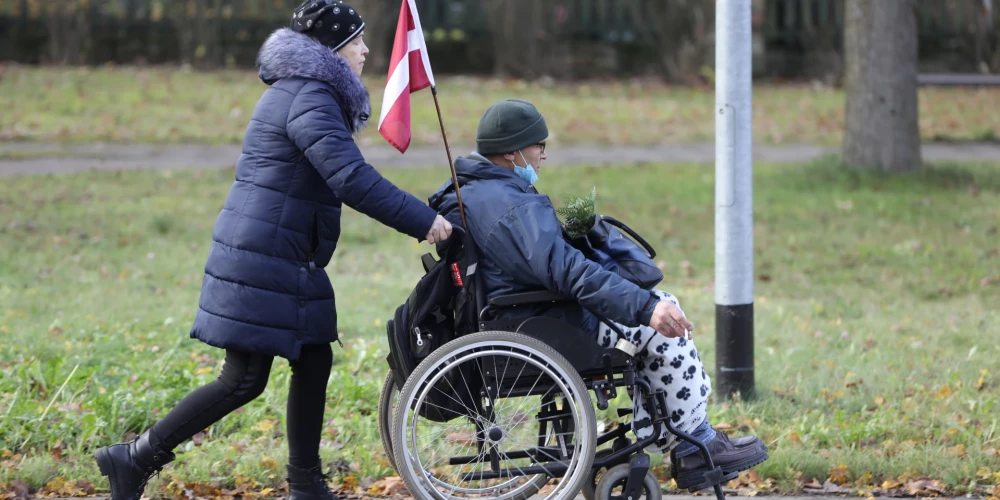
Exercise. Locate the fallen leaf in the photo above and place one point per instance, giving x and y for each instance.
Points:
(265, 425)
(984, 473)
(57, 450)
(958, 451)
(387, 487)
(865, 479)
(914, 487)
(891, 484)
(350, 482)
(936, 487)
(86, 487)
(830, 487)
(838, 475)
(268, 463)
(813, 484)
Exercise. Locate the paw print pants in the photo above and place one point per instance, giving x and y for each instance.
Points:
(669, 365)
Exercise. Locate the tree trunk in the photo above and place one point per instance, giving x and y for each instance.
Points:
(881, 114)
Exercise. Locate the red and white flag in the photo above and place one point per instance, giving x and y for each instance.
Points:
(409, 71)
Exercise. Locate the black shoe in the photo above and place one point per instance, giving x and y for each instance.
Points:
(740, 441)
(129, 466)
(690, 471)
(308, 484)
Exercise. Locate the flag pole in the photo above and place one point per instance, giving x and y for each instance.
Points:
(447, 148)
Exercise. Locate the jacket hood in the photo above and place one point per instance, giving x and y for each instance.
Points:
(287, 54)
(472, 168)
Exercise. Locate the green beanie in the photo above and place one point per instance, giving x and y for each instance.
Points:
(510, 125)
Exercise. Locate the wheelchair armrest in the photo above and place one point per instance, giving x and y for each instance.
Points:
(516, 299)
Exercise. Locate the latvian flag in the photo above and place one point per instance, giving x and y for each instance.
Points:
(409, 71)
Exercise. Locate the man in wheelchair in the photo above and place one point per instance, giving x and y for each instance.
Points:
(522, 247)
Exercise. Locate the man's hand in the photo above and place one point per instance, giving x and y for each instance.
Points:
(440, 230)
(669, 321)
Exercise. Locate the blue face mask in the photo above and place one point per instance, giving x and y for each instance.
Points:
(526, 173)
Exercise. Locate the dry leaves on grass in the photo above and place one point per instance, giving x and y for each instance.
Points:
(14, 490)
(61, 488)
(750, 480)
(10, 460)
(246, 489)
(839, 475)
(388, 487)
(749, 484)
(867, 486)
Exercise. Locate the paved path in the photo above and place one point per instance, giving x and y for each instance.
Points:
(43, 158)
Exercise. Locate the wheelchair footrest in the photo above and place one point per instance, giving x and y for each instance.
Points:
(700, 480)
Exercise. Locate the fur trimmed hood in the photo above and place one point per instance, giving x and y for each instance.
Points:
(287, 54)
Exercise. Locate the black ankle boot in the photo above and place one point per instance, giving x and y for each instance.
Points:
(129, 465)
(732, 456)
(308, 484)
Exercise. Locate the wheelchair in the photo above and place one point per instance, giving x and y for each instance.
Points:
(506, 408)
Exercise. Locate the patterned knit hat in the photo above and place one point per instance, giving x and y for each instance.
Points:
(331, 22)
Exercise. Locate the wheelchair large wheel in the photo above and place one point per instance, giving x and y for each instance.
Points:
(386, 406)
(494, 414)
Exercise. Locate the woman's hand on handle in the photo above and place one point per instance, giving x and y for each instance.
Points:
(440, 230)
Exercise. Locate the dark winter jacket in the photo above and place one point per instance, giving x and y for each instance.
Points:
(265, 290)
(522, 247)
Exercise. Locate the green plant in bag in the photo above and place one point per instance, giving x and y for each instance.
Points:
(579, 214)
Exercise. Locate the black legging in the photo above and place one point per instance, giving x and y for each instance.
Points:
(244, 377)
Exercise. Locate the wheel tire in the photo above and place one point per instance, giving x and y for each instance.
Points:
(386, 407)
(494, 339)
(590, 486)
(617, 476)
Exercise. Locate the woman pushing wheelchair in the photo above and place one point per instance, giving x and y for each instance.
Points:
(523, 247)
(266, 293)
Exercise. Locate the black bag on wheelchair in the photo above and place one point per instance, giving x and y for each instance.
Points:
(427, 320)
(632, 258)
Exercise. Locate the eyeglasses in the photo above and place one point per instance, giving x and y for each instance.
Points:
(541, 145)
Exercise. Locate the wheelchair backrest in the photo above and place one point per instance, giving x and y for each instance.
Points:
(443, 305)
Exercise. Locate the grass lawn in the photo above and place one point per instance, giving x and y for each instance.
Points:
(876, 320)
(166, 105)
